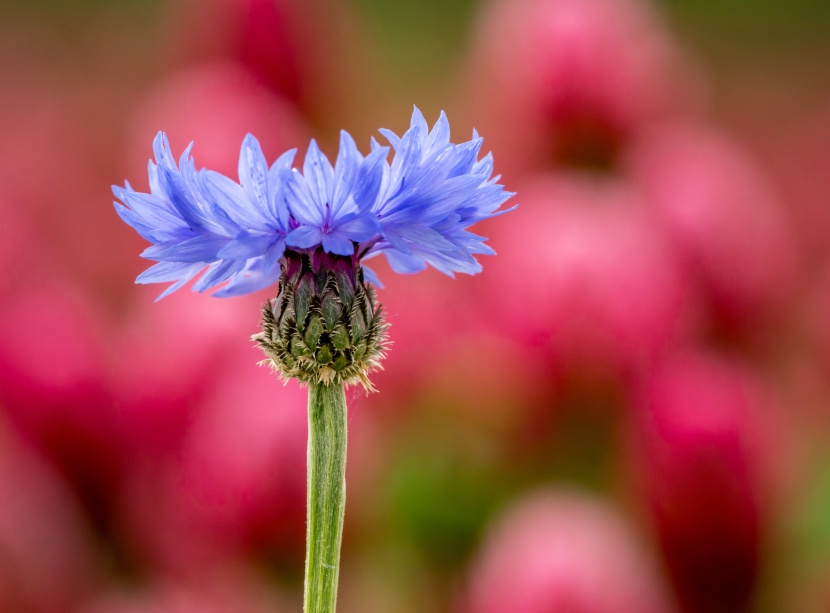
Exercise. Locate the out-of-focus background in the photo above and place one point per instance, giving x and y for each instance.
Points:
(628, 411)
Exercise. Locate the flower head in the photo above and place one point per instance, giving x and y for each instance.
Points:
(311, 229)
(415, 210)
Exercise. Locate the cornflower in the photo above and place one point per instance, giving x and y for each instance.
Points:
(311, 230)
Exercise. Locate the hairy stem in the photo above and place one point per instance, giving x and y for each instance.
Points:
(326, 495)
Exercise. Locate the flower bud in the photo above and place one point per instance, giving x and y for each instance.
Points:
(325, 325)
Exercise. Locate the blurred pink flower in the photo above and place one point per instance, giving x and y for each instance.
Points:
(300, 50)
(723, 216)
(226, 590)
(561, 552)
(48, 556)
(462, 377)
(803, 160)
(170, 354)
(18, 254)
(46, 124)
(815, 321)
(54, 383)
(236, 485)
(214, 105)
(701, 446)
(263, 35)
(574, 77)
(425, 318)
(601, 291)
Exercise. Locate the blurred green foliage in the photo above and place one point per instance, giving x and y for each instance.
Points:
(417, 32)
(419, 35)
(753, 22)
(69, 13)
(812, 524)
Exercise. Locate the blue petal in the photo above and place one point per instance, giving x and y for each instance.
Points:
(370, 276)
(360, 229)
(395, 240)
(337, 243)
(404, 264)
(427, 237)
(147, 232)
(301, 202)
(345, 172)
(418, 122)
(196, 249)
(277, 205)
(247, 246)
(245, 284)
(393, 138)
(439, 137)
(152, 210)
(370, 178)
(232, 199)
(258, 274)
(304, 237)
(169, 271)
(319, 174)
(217, 273)
(253, 172)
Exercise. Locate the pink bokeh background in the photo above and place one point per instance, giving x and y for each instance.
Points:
(626, 412)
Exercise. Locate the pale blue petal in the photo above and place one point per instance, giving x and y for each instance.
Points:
(319, 174)
(217, 273)
(389, 135)
(440, 135)
(253, 172)
(163, 272)
(345, 172)
(277, 205)
(404, 264)
(232, 199)
(426, 237)
(146, 231)
(360, 229)
(370, 178)
(248, 246)
(196, 249)
(370, 276)
(302, 204)
(304, 237)
(418, 122)
(337, 243)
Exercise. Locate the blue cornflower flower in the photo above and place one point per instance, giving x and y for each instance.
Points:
(415, 211)
(311, 230)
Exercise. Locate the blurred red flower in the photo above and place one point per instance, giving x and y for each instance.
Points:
(561, 551)
(698, 444)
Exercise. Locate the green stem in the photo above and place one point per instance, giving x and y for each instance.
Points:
(326, 495)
